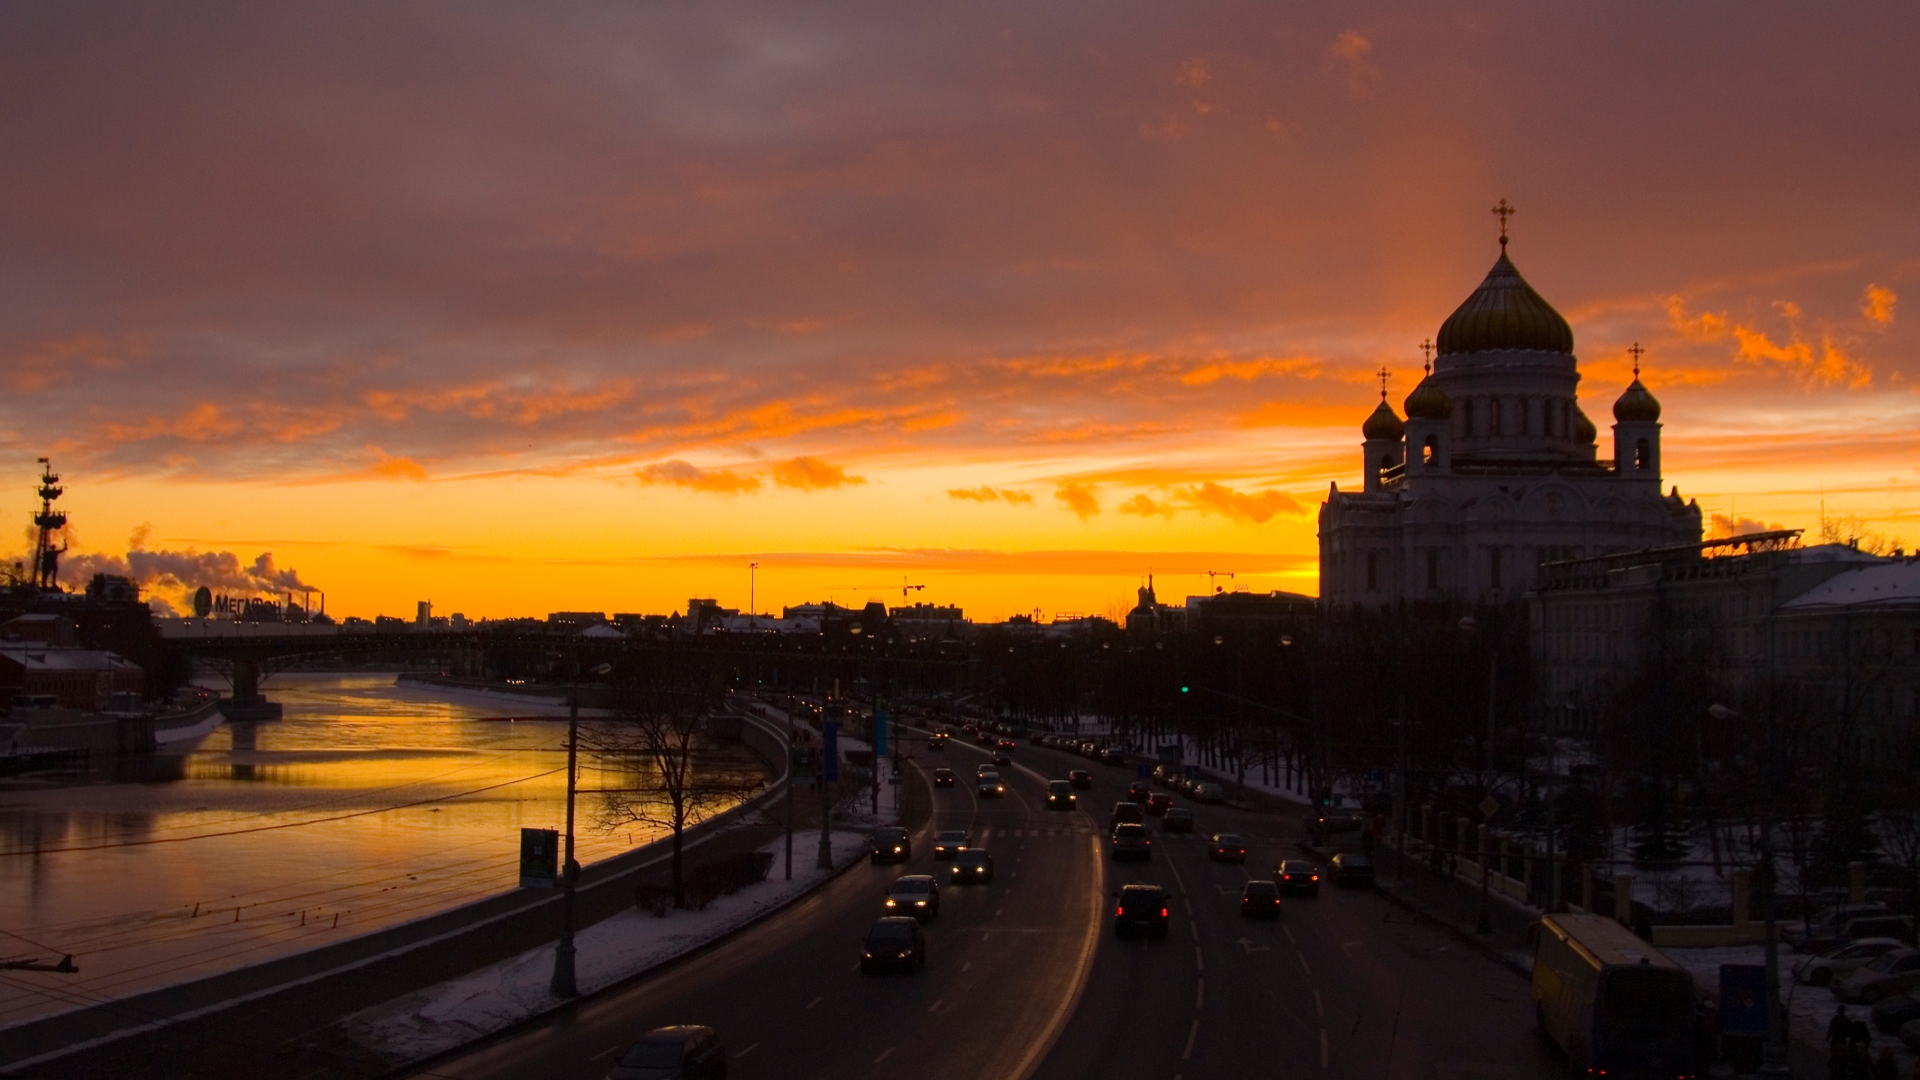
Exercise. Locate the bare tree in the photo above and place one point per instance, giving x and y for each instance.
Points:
(673, 773)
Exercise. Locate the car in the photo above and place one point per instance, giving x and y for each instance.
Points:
(986, 738)
(1001, 757)
(1896, 1015)
(1353, 870)
(1159, 802)
(1164, 774)
(1178, 820)
(1825, 929)
(1297, 876)
(982, 769)
(1888, 975)
(913, 894)
(891, 845)
(990, 785)
(1130, 841)
(1038, 739)
(1138, 791)
(1008, 745)
(1081, 779)
(1841, 960)
(949, 842)
(972, 866)
(1339, 815)
(1226, 847)
(937, 742)
(1140, 909)
(1209, 792)
(894, 942)
(943, 777)
(1125, 813)
(1060, 795)
(1260, 900)
(679, 1052)
(1113, 755)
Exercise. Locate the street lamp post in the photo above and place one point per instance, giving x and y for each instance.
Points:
(563, 984)
(1484, 925)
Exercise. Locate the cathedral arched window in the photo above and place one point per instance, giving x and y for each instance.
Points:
(1466, 418)
(1430, 453)
(1493, 416)
(1642, 455)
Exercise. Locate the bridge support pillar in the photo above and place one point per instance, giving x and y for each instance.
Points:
(246, 702)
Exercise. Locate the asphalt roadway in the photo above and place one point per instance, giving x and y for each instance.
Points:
(1025, 978)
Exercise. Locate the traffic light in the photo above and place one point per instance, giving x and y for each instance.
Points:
(1183, 689)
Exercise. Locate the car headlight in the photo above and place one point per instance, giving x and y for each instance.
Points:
(889, 901)
(896, 851)
(919, 903)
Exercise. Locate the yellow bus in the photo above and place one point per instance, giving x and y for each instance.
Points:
(1612, 1002)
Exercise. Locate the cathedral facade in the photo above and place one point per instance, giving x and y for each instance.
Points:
(1495, 470)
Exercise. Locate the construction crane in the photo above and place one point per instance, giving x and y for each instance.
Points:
(1210, 575)
(905, 588)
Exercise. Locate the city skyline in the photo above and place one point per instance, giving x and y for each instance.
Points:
(520, 314)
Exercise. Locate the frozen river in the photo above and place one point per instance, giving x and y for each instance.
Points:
(367, 805)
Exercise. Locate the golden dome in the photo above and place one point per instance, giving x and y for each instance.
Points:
(1383, 424)
(1637, 404)
(1505, 313)
(1583, 430)
(1428, 402)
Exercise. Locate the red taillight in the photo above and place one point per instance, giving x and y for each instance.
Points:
(1316, 877)
(1163, 913)
(1117, 913)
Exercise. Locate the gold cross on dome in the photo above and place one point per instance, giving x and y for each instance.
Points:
(1383, 383)
(1637, 352)
(1503, 212)
(1426, 351)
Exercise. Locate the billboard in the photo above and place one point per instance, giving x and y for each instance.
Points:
(539, 858)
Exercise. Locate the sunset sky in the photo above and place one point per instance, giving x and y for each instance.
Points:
(522, 308)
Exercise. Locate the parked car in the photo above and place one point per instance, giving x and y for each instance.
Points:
(680, 1052)
(891, 845)
(1113, 755)
(1350, 868)
(1226, 847)
(1297, 876)
(1841, 960)
(1910, 1031)
(1885, 976)
(1898, 1014)
(1209, 792)
(1140, 909)
(1827, 928)
(894, 943)
(1260, 900)
(1339, 815)
(1178, 820)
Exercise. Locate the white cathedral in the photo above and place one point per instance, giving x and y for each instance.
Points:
(1495, 470)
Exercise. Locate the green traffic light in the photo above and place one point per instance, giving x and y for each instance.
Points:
(1183, 689)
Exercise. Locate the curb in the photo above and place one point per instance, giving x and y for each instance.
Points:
(1465, 937)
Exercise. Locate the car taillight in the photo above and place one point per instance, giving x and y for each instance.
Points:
(1163, 913)
(1316, 877)
(1117, 913)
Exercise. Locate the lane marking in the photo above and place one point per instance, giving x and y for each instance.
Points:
(608, 1052)
(1323, 1048)
(745, 1052)
(1195, 927)
(996, 911)
(1189, 904)
(937, 1002)
(1289, 932)
(888, 1052)
(817, 1000)
(1319, 1006)
(1038, 1052)
(1200, 996)
(966, 965)
(1302, 957)
(1192, 1034)
(1199, 962)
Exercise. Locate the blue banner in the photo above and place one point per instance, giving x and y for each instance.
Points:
(880, 732)
(830, 748)
(1743, 999)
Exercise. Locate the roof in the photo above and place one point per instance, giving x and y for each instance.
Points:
(1504, 313)
(1607, 942)
(43, 658)
(1885, 585)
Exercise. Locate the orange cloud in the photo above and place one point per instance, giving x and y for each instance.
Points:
(1249, 370)
(395, 468)
(684, 475)
(1078, 498)
(1349, 55)
(202, 423)
(1146, 507)
(1257, 508)
(1878, 304)
(1826, 365)
(983, 493)
(812, 474)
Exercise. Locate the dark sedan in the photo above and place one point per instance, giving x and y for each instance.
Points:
(1226, 847)
(943, 777)
(1297, 876)
(972, 866)
(1178, 821)
(1353, 870)
(891, 845)
(895, 943)
(1260, 900)
(1081, 779)
(680, 1052)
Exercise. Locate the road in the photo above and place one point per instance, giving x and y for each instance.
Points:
(1025, 978)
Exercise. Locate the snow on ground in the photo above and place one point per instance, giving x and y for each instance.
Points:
(1809, 1006)
(461, 1010)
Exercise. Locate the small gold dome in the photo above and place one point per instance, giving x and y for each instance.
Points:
(1383, 423)
(1584, 432)
(1428, 402)
(1637, 404)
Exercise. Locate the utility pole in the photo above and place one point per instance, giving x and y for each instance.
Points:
(563, 984)
(1484, 925)
(791, 760)
(828, 772)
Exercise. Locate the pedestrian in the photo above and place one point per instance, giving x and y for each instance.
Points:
(1838, 1028)
(1884, 1067)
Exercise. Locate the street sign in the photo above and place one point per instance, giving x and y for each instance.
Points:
(1193, 771)
(1143, 770)
(1489, 806)
(830, 750)
(539, 858)
(1743, 999)
(1374, 776)
(880, 732)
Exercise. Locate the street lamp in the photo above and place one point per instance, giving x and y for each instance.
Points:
(563, 984)
(1773, 1056)
(1484, 925)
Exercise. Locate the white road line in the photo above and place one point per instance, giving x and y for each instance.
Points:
(1195, 927)
(608, 1052)
(1289, 932)
(855, 967)
(1189, 904)
(884, 1054)
(1192, 1034)
(1323, 1048)
(1199, 962)
(966, 965)
(997, 911)
(1319, 1006)
(816, 1001)
(937, 1002)
(1302, 957)
(1200, 996)
(745, 1052)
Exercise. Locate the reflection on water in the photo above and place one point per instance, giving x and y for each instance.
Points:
(366, 805)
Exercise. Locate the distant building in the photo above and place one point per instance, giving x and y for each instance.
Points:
(74, 678)
(934, 622)
(1150, 616)
(575, 620)
(423, 615)
(1495, 470)
(1241, 610)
